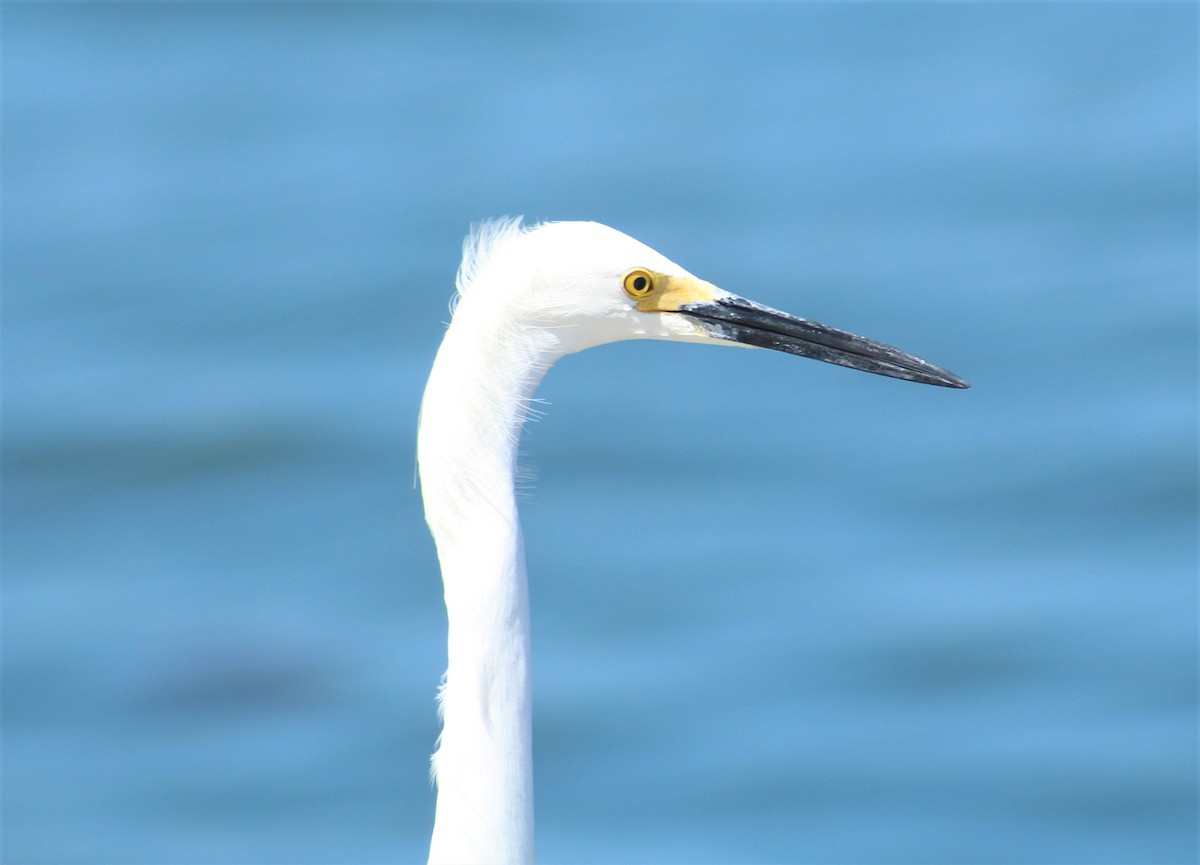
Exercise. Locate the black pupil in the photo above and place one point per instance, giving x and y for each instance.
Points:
(639, 283)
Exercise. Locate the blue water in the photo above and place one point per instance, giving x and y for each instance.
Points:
(784, 612)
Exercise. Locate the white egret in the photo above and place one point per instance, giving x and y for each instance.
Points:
(528, 296)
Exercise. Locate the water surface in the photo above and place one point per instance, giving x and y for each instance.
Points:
(782, 612)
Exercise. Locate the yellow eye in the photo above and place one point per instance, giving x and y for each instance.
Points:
(639, 283)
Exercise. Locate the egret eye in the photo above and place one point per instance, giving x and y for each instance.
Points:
(639, 283)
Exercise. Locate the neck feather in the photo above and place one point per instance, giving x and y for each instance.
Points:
(471, 417)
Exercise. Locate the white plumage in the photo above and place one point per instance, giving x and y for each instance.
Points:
(528, 296)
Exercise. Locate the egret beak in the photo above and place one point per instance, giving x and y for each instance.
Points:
(736, 319)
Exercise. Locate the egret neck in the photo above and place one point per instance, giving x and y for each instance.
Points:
(477, 399)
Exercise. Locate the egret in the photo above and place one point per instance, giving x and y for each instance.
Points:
(526, 297)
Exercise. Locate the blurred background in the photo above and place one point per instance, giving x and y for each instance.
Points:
(891, 623)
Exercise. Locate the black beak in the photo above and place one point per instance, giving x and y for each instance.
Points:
(740, 320)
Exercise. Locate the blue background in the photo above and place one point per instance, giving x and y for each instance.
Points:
(783, 612)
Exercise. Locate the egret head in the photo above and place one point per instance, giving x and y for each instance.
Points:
(588, 284)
